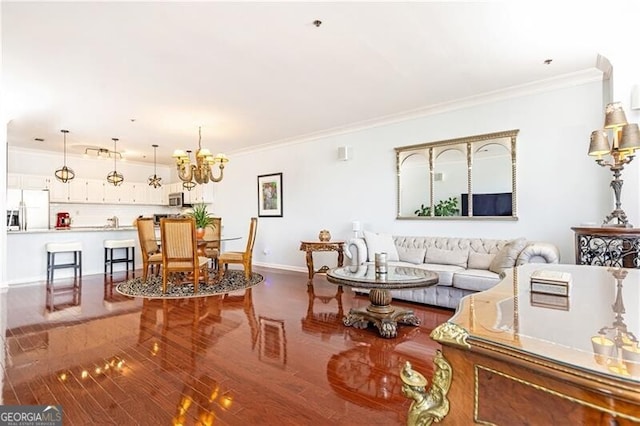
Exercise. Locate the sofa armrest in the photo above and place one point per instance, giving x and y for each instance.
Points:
(539, 252)
(357, 251)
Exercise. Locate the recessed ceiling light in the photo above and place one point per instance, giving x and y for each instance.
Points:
(317, 22)
(548, 61)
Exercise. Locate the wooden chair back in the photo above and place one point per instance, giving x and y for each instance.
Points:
(251, 239)
(147, 237)
(179, 250)
(151, 256)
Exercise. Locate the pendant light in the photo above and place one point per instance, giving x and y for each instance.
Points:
(65, 174)
(115, 178)
(154, 180)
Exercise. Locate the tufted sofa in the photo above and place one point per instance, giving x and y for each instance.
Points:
(464, 265)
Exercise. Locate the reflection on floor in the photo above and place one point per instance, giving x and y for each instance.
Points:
(241, 358)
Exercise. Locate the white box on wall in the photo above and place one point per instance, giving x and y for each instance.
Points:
(345, 153)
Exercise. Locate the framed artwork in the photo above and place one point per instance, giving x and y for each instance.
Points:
(270, 195)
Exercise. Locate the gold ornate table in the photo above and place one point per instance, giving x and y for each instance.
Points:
(380, 312)
(510, 356)
(310, 246)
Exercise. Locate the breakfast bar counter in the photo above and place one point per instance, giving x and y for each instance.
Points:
(27, 257)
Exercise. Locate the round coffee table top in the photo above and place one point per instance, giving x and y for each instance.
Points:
(397, 277)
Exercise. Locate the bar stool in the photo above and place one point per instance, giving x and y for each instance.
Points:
(53, 248)
(110, 245)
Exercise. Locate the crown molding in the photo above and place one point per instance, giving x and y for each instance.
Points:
(560, 82)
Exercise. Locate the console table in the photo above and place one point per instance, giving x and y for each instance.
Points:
(310, 246)
(506, 360)
(608, 246)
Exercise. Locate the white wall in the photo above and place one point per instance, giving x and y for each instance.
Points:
(559, 186)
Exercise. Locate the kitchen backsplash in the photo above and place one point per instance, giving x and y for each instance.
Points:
(97, 214)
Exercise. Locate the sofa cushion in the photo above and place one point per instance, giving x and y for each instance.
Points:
(447, 257)
(380, 243)
(480, 260)
(475, 279)
(507, 256)
(411, 254)
(445, 272)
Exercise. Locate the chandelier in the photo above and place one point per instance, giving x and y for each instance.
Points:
(154, 180)
(200, 172)
(65, 174)
(115, 178)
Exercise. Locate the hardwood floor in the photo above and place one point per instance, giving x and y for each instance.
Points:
(275, 354)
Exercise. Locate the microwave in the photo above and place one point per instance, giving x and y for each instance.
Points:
(176, 199)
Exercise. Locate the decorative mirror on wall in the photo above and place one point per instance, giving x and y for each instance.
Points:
(465, 178)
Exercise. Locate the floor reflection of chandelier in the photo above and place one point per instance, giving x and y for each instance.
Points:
(616, 347)
(202, 171)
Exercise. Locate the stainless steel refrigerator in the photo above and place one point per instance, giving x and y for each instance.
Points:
(31, 207)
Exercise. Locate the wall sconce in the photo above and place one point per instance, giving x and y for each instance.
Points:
(626, 140)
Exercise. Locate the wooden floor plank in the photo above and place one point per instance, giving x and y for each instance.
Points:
(277, 354)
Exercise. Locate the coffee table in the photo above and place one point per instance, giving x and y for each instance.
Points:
(380, 312)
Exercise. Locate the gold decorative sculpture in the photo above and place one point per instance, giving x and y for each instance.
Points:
(432, 405)
(451, 333)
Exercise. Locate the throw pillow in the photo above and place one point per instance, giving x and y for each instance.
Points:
(506, 258)
(380, 243)
(480, 260)
(447, 257)
(411, 255)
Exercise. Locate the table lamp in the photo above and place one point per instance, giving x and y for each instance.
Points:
(626, 140)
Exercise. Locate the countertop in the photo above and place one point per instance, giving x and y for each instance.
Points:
(75, 229)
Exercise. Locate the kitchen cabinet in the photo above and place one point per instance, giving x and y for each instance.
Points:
(14, 181)
(17, 181)
(86, 191)
(95, 191)
(121, 194)
(58, 191)
(156, 196)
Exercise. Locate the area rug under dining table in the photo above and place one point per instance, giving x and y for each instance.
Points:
(152, 288)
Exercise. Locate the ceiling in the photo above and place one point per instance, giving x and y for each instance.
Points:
(255, 74)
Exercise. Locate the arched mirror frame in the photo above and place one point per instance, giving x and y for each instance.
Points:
(470, 142)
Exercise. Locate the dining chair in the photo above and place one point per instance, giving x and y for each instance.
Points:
(180, 251)
(242, 257)
(151, 256)
(212, 235)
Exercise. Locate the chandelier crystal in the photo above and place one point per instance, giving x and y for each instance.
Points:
(154, 180)
(115, 178)
(201, 172)
(65, 174)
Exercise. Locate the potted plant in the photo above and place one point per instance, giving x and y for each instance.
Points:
(202, 217)
(448, 207)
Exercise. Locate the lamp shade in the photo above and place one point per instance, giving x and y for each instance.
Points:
(630, 140)
(614, 116)
(599, 143)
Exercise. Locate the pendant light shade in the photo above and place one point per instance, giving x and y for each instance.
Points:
(154, 180)
(65, 174)
(115, 178)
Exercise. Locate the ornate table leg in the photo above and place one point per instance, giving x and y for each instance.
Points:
(340, 256)
(381, 314)
(310, 263)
